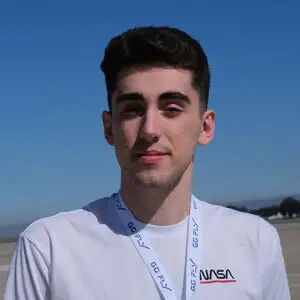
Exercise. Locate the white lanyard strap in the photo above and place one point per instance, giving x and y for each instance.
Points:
(144, 248)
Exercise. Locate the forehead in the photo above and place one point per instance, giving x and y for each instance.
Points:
(155, 81)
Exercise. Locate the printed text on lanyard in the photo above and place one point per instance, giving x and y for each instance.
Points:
(143, 246)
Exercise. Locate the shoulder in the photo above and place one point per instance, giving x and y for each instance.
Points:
(235, 219)
(240, 227)
(65, 224)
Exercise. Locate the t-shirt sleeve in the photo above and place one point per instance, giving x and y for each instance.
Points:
(274, 279)
(28, 273)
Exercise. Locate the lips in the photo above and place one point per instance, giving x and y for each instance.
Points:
(151, 156)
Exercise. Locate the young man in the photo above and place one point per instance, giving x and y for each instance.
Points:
(153, 239)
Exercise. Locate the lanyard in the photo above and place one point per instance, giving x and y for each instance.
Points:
(147, 253)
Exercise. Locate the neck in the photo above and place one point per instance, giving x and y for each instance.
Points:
(156, 206)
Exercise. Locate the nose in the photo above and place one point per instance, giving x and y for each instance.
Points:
(150, 128)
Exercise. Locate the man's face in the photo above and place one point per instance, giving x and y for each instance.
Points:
(155, 125)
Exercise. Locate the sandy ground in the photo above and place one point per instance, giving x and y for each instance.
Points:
(6, 251)
(290, 238)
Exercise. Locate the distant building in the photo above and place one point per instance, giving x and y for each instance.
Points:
(276, 217)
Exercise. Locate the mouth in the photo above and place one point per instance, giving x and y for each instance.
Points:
(151, 157)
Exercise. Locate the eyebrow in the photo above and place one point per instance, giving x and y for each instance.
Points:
(174, 95)
(136, 96)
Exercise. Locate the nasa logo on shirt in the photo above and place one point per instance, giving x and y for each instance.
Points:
(210, 276)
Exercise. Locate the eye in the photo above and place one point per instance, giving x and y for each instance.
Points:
(172, 111)
(132, 111)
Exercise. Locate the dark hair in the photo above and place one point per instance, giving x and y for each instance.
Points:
(150, 46)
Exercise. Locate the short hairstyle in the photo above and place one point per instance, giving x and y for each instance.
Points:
(149, 46)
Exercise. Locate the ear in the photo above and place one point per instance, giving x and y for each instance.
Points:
(107, 125)
(208, 128)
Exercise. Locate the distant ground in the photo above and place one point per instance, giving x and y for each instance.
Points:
(12, 231)
(287, 223)
(263, 202)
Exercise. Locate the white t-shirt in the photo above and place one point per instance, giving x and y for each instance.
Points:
(86, 254)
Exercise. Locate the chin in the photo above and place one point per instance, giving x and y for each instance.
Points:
(155, 181)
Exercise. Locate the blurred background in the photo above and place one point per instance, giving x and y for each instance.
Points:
(53, 155)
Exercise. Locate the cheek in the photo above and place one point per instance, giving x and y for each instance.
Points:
(186, 137)
(122, 148)
(125, 137)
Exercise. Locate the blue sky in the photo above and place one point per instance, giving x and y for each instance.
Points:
(53, 155)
